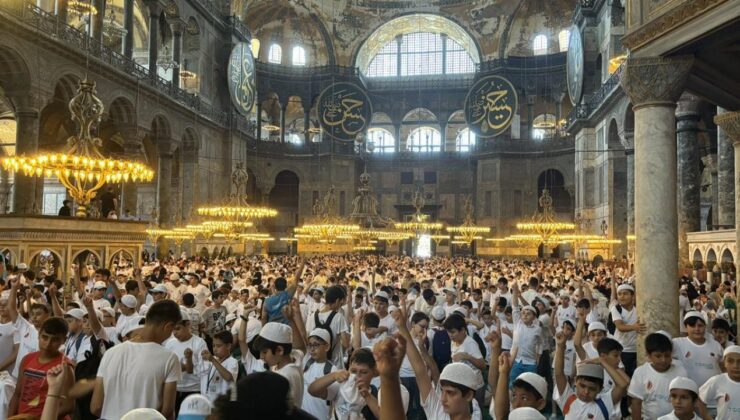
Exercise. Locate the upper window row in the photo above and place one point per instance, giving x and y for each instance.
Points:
(421, 54)
(275, 55)
(539, 46)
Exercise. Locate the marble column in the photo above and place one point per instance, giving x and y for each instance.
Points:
(628, 141)
(729, 123)
(98, 20)
(177, 27)
(62, 10)
(189, 181)
(283, 111)
(725, 178)
(530, 116)
(154, 10)
(164, 189)
(28, 192)
(128, 23)
(654, 84)
(132, 150)
(710, 162)
(307, 125)
(397, 135)
(689, 173)
(259, 119)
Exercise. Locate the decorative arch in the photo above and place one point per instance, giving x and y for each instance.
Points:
(117, 254)
(697, 259)
(15, 77)
(191, 139)
(411, 23)
(121, 111)
(554, 181)
(614, 141)
(160, 127)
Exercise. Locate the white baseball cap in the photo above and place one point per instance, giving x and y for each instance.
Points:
(590, 370)
(230, 317)
(525, 413)
(100, 285)
(531, 309)
(449, 290)
(110, 311)
(462, 374)
(382, 295)
(194, 407)
(694, 314)
(22, 266)
(322, 334)
(143, 414)
(76, 313)
(160, 288)
(129, 301)
(596, 326)
(625, 286)
(174, 276)
(277, 333)
(133, 325)
(438, 313)
(536, 381)
(734, 349)
(682, 382)
(184, 313)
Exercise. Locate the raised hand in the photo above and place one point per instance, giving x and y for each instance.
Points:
(560, 338)
(188, 353)
(205, 355)
(87, 301)
(340, 376)
(389, 354)
(55, 378)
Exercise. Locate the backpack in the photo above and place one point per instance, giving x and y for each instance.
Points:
(441, 348)
(481, 345)
(327, 366)
(326, 326)
(610, 325)
(366, 412)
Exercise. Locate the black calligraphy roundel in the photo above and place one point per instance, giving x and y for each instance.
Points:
(575, 66)
(490, 106)
(242, 78)
(344, 110)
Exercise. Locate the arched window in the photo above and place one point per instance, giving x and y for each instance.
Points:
(424, 140)
(382, 140)
(564, 39)
(254, 45)
(544, 126)
(540, 45)
(421, 54)
(299, 56)
(465, 141)
(275, 54)
(294, 138)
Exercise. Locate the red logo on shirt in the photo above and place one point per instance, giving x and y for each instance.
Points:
(711, 354)
(649, 385)
(688, 354)
(727, 397)
(590, 416)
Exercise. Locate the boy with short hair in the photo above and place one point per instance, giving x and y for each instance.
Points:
(650, 385)
(700, 356)
(721, 332)
(587, 402)
(315, 366)
(464, 348)
(526, 344)
(723, 390)
(31, 392)
(220, 369)
(275, 344)
(214, 318)
(684, 397)
(188, 349)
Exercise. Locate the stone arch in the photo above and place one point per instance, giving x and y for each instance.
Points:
(285, 196)
(122, 111)
(711, 259)
(294, 120)
(613, 139)
(15, 77)
(203, 252)
(122, 252)
(7, 255)
(697, 259)
(34, 259)
(554, 181)
(160, 127)
(727, 261)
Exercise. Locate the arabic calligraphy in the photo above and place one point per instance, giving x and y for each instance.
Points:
(242, 78)
(575, 66)
(490, 106)
(345, 111)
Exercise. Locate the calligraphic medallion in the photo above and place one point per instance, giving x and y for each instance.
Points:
(242, 78)
(575, 66)
(490, 106)
(344, 110)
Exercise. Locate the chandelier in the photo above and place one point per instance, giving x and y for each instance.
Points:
(237, 211)
(543, 228)
(418, 223)
(81, 167)
(81, 8)
(166, 61)
(468, 231)
(111, 28)
(325, 226)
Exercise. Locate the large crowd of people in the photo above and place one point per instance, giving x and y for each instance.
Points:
(330, 337)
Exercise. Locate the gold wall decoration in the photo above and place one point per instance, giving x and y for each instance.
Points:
(490, 106)
(242, 78)
(345, 110)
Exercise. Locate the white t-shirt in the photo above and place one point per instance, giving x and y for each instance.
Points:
(338, 326)
(628, 340)
(577, 409)
(317, 407)
(347, 404)
(7, 331)
(190, 382)
(27, 339)
(722, 392)
(101, 303)
(252, 364)
(212, 384)
(200, 293)
(468, 346)
(672, 416)
(701, 361)
(527, 339)
(293, 372)
(651, 387)
(435, 411)
(389, 323)
(133, 377)
(563, 314)
(124, 321)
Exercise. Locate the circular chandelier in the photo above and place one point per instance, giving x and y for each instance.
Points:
(81, 8)
(543, 228)
(81, 167)
(468, 231)
(418, 223)
(237, 211)
(325, 226)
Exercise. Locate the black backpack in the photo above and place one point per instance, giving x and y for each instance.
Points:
(610, 325)
(326, 326)
(481, 345)
(441, 348)
(366, 412)
(327, 366)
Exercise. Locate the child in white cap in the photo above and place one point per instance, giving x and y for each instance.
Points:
(684, 397)
(275, 344)
(723, 390)
(315, 366)
(526, 346)
(701, 356)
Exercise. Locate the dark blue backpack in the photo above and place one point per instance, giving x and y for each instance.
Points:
(441, 348)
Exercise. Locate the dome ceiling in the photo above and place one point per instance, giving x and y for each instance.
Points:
(500, 27)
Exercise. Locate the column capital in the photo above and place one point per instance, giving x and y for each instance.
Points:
(176, 25)
(154, 6)
(628, 140)
(655, 80)
(729, 122)
(28, 102)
